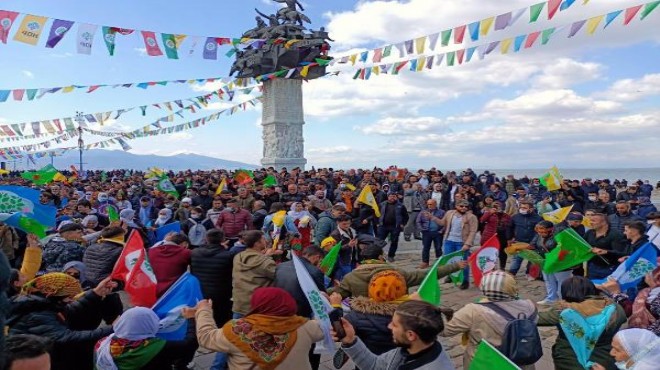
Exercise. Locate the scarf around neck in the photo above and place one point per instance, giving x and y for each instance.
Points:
(265, 340)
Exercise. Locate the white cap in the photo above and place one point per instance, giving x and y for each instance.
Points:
(186, 200)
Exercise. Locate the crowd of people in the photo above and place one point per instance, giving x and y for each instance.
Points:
(237, 237)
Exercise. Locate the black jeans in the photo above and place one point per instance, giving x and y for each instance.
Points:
(428, 238)
(393, 233)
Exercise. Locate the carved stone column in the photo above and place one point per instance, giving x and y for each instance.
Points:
(282, 120)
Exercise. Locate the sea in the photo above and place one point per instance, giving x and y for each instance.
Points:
(630, 174)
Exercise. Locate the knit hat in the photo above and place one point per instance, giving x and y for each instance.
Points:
(387, 286)
(54, 284)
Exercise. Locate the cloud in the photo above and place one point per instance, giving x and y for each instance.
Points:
(567, 72)
(28, 74)
(179, 137)
(330, 150)
(552, 103)
(405, 126)
(630, 89)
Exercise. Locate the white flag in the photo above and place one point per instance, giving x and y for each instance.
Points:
(85, 40)
(320, 306)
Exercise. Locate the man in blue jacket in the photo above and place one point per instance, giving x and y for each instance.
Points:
(521, 230)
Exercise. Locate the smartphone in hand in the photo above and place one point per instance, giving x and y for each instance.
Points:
(335, 321)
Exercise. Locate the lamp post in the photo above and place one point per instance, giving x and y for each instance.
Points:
(81, 120)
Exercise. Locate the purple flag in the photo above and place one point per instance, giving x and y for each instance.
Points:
(502, 21)
(211, 48)
(57, 31)
(575, 27)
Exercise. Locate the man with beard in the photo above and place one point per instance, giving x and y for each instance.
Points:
(415, 327)
(460, 228)
(623, 214)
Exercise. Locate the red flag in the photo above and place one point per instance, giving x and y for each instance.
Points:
(631, 13)
(151, 44)
(133, 268)
(485, 260)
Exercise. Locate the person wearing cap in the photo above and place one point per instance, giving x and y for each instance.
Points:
(233, 220)
(653, 231)
(460, 227)
(183, 213)
(63, 248)
(574, 220)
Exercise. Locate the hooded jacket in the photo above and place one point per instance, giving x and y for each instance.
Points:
(169, 261)
(251, 270)
(370, 320)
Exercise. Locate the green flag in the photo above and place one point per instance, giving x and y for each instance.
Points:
(648, 8)
(112, 214)
(170, 46)
(330, 260)
(545, 36)
(535, 12)
(32, 226)
(456, 277)
(270, 180)
(488, 357)
(532, 256)
(445, 36)
(166, 186)
(429, 289)
(450, 58)
(104, 176)
(571, 251)
(41, 177)
(188, 183)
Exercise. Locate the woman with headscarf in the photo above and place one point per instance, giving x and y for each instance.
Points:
(270, 337)
(164, 218)
(134, 345)
(77, 270)
(304, 222)
(645, 310)
(580, 294)
(635, 349)
(43, 309)
(477, 321)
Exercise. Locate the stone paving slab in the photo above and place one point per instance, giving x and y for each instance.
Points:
(409, 257)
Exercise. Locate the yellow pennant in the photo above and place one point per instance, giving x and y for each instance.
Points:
(68, 89)
(304, 71)
(376, 70)
(353, 58)
(419, 44)
(485, 25)
(178, 40)
(593, 23)
(421, 62)
(506, 45)
(30, 29)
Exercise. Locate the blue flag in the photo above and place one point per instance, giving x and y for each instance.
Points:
(583, 332)
(633, 270)
(185, 292)
(166, 229)
(20, 208)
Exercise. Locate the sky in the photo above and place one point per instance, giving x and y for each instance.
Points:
(591, 101)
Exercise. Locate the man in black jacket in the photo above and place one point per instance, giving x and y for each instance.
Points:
(286, 278)
(212, 264)
(100, 258)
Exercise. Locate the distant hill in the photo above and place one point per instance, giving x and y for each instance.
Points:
(114, 159)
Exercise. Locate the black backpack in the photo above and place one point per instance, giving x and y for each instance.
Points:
(521, 342)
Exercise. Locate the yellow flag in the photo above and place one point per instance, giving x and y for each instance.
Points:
(350, 186)
(421, 62)
(353, 58)
(59, 177)
(485, 25)
(304, 71)
(505, 45)
(178, 39)
(558, 215)
(68, 89)
(367, 197)
(419, 44)
(586, 222)
(30, 29)
(4, 172)
(552, 180)
(593, 23)
(376, 70)
(221, 187)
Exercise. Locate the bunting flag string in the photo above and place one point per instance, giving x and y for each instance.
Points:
(121, 137)
(518, 43)
(475, 30)
(31, 28)
(50, 127)
(38, 93)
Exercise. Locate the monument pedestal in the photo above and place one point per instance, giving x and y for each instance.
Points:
(282, 121)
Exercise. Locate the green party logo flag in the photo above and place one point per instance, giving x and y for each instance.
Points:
(571, 251)
(170, 46)
(488, 357)
(552, 179)
(270, 180)
(166, 186)
(41, 177)
(456, 277)
(429, 289)
(532, 256)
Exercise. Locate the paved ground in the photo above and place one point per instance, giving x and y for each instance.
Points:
(409, 257)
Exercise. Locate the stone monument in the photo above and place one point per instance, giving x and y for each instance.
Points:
(283, 44)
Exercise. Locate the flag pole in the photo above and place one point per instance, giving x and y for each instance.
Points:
(80, 119)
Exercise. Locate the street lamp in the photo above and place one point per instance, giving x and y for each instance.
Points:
(81, 120)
